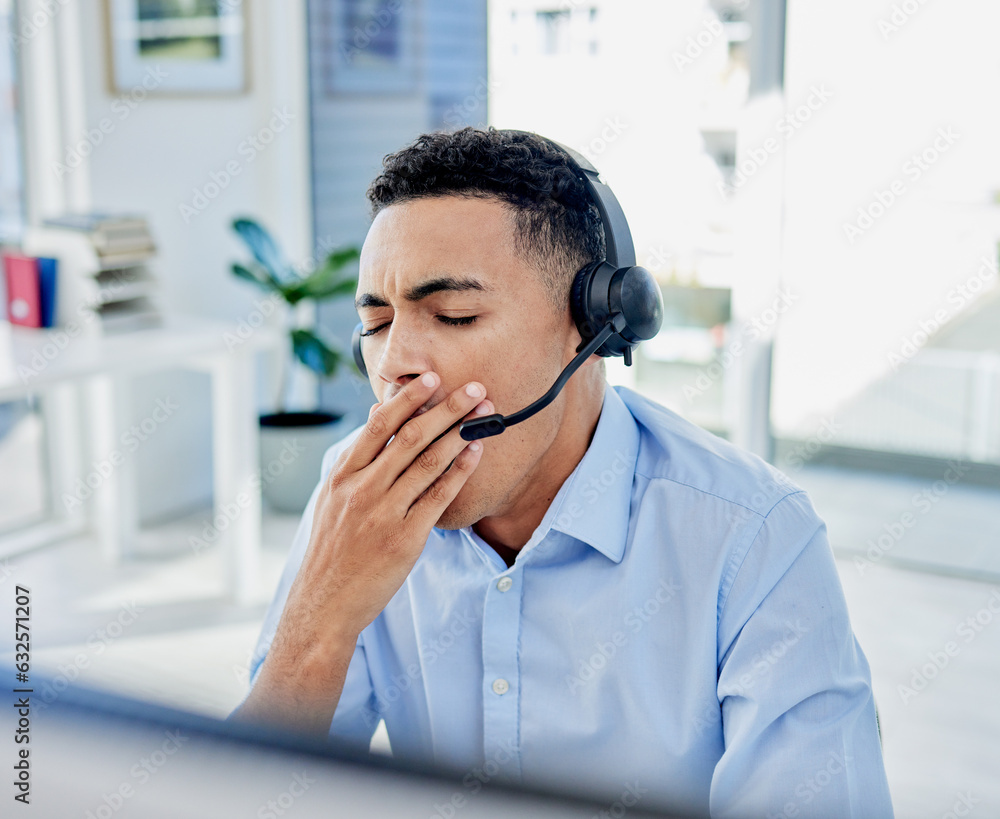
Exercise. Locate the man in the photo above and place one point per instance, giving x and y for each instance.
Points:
(604, 596)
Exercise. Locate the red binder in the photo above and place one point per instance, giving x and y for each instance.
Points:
(24, 303)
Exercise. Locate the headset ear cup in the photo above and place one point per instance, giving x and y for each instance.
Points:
(359, 358)
(637, 296)
(579, 309)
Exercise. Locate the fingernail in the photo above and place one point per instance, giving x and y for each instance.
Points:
(475, 446)
(474, 391)
(483, 408)
(429, 380)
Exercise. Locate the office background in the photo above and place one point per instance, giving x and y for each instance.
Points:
(818, 188)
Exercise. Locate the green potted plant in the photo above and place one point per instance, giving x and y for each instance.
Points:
(293, 442)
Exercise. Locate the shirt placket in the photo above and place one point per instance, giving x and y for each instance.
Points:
(502, 677)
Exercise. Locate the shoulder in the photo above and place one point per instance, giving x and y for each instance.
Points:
(677, 453)
(729, 510)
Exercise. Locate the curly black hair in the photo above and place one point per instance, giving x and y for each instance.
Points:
(557, 229)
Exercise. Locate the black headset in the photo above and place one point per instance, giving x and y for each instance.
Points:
(615, 303)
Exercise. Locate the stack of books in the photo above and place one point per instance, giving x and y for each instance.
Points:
(31, 289)
(120, 241)
(106, 284)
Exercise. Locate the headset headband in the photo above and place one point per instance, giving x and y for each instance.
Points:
(617, 236)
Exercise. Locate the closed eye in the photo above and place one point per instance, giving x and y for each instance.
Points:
(452, 322)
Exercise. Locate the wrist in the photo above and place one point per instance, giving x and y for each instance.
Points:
(310, 662)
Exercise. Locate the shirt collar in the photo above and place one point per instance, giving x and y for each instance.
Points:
(596, 507)
(594, 503)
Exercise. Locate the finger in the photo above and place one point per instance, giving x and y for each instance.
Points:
(429, 465)
(427, 510)
(374, 407)
(384, 421)
(417, 435)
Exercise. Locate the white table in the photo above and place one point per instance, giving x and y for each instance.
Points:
(91, 372)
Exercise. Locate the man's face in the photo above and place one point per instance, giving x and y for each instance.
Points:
(429, 261)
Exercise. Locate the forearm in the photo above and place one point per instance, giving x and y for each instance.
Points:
(298, 693)
(369, 525)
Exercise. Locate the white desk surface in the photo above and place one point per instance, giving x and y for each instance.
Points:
(99, 367)
(56, 357)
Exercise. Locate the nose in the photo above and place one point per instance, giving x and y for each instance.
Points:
(401, 354)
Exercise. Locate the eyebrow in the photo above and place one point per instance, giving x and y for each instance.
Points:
(423, 290)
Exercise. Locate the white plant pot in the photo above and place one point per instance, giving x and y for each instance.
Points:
(291, 455)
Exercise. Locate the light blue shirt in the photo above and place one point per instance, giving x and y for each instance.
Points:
(674, 634)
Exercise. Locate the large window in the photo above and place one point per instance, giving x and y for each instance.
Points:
(21, 488)
(11, 172)
(657, 108)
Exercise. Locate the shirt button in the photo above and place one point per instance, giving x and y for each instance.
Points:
(500, 686)
(504, 583)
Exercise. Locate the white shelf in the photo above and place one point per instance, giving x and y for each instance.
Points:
(96, 293)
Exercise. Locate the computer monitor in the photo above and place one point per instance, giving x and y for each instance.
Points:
(97, 755)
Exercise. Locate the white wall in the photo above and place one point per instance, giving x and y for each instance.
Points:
(152, 162)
